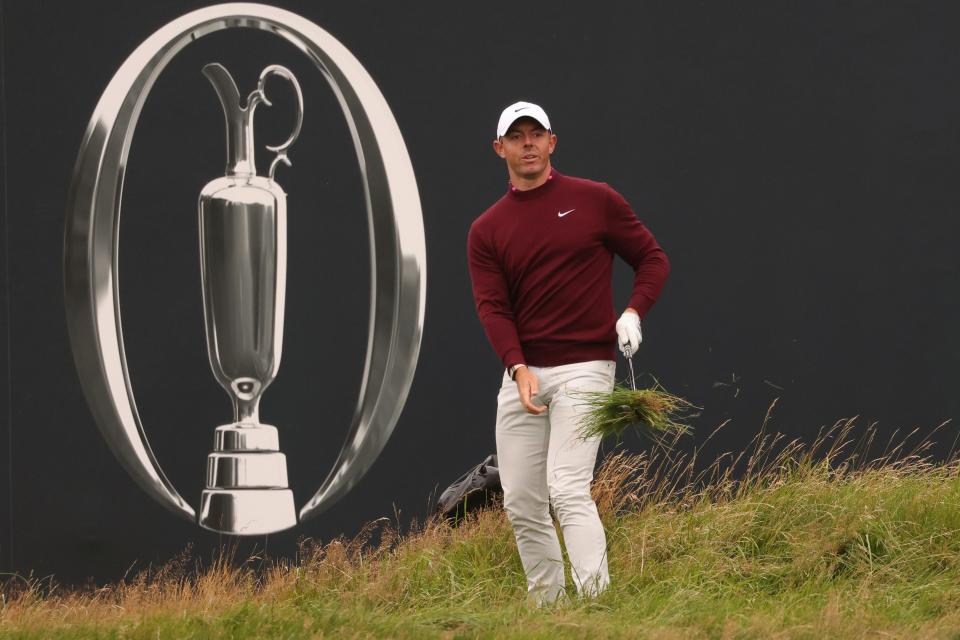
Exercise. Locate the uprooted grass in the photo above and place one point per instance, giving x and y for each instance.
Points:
(652, 412)
(783, 540)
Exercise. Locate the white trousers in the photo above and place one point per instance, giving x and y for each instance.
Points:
(543, 460)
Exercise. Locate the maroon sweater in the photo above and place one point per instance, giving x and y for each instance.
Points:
(541, 264)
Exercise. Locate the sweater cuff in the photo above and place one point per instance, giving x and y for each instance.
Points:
(641, 304)
(513, 356)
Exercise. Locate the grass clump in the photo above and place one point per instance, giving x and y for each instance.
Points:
(783, 540)
(653, 412)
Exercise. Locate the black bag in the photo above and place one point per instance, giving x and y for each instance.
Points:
(475, 489)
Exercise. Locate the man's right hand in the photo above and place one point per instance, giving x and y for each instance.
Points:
(528, 386)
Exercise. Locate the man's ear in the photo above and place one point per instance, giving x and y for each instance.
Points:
(553, 142)
(498, 148)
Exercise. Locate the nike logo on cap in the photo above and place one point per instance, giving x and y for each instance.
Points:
(560, 215)
(520, 109)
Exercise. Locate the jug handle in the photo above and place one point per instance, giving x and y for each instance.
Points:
(259, 96)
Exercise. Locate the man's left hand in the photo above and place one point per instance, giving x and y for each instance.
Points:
(628, 332)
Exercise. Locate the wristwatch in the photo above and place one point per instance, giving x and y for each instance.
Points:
(513, 370)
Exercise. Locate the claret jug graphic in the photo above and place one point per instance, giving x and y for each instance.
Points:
(243, 264)
(243, 239)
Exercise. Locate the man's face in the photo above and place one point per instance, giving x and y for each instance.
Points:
(526, 146)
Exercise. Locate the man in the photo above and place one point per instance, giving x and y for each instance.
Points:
(541, 261)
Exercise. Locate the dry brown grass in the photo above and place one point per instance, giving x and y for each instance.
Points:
(171, 588)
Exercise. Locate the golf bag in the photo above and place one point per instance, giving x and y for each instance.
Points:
(475, 489)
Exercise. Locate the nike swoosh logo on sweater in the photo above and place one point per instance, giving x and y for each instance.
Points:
(560, 215)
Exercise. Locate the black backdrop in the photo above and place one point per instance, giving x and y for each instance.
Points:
(797, 161)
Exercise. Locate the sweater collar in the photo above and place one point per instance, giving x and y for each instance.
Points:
(536, 192)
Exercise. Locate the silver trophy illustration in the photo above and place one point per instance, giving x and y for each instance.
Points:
(243, 271)
(243, 244)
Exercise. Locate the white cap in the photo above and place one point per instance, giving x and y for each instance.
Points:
(521, 110)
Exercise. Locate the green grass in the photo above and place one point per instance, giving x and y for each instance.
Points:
(784, 541)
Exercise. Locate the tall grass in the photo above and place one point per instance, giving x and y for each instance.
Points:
(830, 539)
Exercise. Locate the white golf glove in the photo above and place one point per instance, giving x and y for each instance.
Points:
(628, 332)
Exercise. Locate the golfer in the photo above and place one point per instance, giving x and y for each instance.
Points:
(541, 261)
